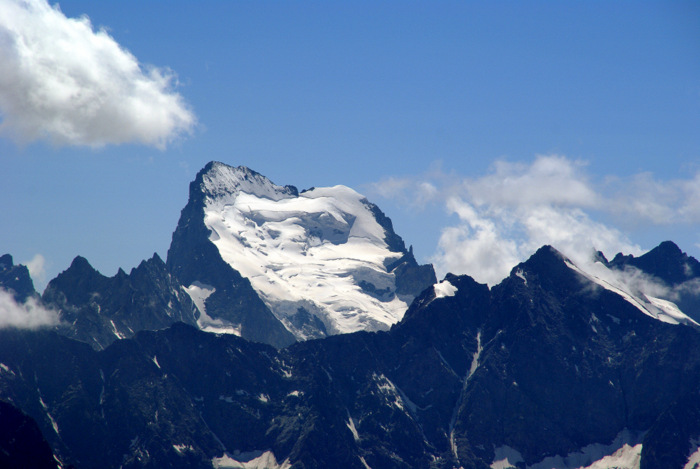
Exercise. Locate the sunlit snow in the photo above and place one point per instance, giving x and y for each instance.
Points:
(694, 458)
(506, 457)
(250, 460)
(199, 292)
(309, 252)
(48, 414)
(351, 425)
(519, 273)
(623, 453)
(662, 310)
(181, 449)
(116, 331)
(444, 289)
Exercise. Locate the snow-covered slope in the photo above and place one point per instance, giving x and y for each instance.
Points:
(318, 254)
(634, 292)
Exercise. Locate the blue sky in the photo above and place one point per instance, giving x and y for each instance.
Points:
(483, 129)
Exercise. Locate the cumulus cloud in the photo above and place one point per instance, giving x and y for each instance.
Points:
(508, 213)
(30, 315)
(549, 180)
(478, 246)
(491, 238)
(62, 81)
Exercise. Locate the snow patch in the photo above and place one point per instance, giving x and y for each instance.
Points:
(46, 409)
(250, 460)
(623, 453)
(394, 395)
(364, 463)
(506, 458)
(199, 292)
(694, 458)
(115, 331)
(444, 289)
(351, 425)
(181, 449)
(472, 369)
(476, 356)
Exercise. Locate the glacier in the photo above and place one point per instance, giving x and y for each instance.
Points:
(320, 253)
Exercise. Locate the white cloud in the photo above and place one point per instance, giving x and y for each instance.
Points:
(508, 213)
(551, 180)
(689, 208)
(64, 82)
(30, 315)
(476, 246)
(37, 268)
(491, 240)
(408, 191)
(644, 199)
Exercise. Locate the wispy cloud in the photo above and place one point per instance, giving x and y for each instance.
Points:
(64, 82)
(30, 315)
(645, 199)
(505, 215)
(37, 268)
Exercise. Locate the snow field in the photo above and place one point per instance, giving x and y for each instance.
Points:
(311, 251)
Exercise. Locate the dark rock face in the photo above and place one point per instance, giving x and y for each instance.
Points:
(544, 363)
(21, 442)
(674, 435)
(16, 279)
(412, 278)
(99, 310)
(666, 262)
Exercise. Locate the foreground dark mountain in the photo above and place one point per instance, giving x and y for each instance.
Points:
(541, 366)
(21, 442)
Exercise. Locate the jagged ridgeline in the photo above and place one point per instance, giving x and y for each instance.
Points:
(558, 366)
(555, 367)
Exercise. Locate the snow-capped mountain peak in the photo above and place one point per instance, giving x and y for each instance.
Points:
(324, 261)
